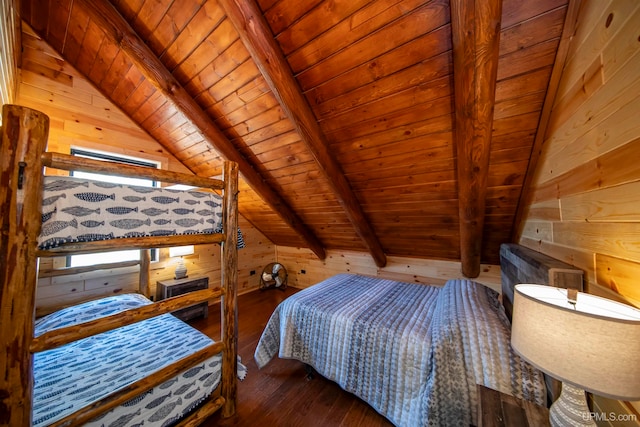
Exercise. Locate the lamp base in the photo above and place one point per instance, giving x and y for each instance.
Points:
(570, 409)
(181, 271)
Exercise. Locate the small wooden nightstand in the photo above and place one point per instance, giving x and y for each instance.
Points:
(499, 409)
(174, 287)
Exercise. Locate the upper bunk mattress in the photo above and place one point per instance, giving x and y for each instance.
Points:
(80, 210)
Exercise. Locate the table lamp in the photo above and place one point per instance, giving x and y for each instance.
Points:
(181, 269)
(587, 342)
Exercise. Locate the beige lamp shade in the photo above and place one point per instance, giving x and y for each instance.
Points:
(592, 343)
(180, 251)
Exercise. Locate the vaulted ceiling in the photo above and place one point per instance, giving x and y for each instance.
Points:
(394, 127)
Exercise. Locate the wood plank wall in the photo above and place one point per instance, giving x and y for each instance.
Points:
(81, 117)
(586, 200)
(586, 196)
(9, 51)
(305, 269)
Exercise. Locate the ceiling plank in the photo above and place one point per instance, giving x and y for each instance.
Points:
(257, 37)
(475, 26)
(121, 33)
(568, 31)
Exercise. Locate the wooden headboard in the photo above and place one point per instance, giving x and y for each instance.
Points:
(519, 264)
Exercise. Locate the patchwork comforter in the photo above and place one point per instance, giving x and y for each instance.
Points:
(75, 375)
(413, 352)
(80, 210)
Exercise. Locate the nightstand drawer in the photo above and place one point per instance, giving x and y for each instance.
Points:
(182, 288)
(174, 287)
(500, 409)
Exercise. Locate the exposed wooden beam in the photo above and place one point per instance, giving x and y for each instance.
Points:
(266, 53)
(475, 27)
(569, 30)
(120, 33)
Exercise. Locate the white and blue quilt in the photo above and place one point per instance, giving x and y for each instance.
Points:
(413, 352)
(75, 375)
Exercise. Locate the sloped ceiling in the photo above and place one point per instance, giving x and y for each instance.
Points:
(357, 125)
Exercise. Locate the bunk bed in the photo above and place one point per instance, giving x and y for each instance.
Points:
(53, 370)
(415, 353)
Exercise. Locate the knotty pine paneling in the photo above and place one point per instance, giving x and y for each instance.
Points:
(619, 275)
(9, 51)
(589, 161)
(80, 116)
(586, 198)
(406, 269)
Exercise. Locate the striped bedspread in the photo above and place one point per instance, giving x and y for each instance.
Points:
(413, 352)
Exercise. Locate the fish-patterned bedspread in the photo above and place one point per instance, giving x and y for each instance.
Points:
(74, 375)
(413, 352)
(80, 210)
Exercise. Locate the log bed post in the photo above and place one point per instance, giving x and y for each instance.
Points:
(145, 272)
(229, 326)
(24, 139)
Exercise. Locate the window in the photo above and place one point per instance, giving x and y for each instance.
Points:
(116, 256)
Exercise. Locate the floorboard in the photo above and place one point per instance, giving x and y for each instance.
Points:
(280, 394)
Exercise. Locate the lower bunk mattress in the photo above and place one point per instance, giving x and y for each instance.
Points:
(413, 352)
(77, 374)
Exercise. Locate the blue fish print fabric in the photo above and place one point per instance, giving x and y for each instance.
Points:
(75, 210)
(70, 377)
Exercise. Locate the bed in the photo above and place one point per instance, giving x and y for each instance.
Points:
(120, 360)
(413, 352)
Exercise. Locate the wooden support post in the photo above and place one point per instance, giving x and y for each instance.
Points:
(475, 27)
(229, 328)
(24, 139)
(145, 272)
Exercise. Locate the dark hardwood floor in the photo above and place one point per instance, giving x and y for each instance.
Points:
(280, 394)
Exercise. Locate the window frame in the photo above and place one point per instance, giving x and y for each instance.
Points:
(123, 159)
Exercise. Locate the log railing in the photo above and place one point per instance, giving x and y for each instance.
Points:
(62, 336)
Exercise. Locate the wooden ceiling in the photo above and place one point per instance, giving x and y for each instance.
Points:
(357, 125)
